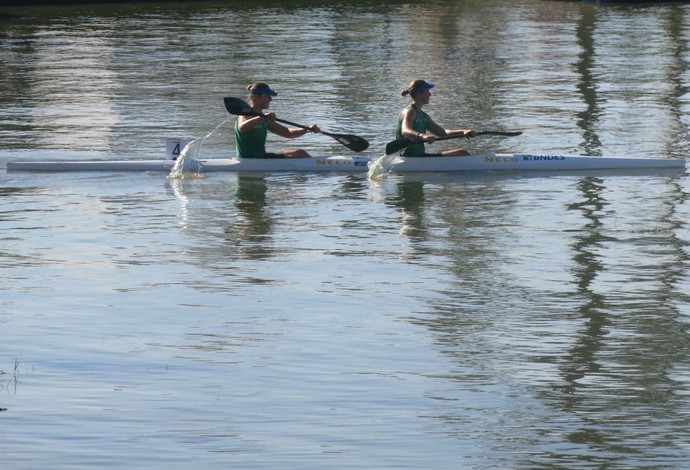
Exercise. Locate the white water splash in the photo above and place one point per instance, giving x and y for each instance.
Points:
(187, 165)
(381, 167)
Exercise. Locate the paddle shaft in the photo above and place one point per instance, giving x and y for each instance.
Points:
(238, 107)
(290, 123)
(284, 121)
(477, 134)
(302, 126)
(335, 136)
(401, 144)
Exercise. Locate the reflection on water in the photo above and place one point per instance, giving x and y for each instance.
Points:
(587, 87)
(252, 231)
(608, 369)
(615, 343)
(237, 225)
(411, 203)
(588, 265)
(515, 321)
(676, 20)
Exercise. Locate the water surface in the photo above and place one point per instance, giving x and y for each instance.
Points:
(328, 321)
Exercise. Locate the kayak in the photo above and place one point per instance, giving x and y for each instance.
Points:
(347, 164)
(527, 162)
(398, 164)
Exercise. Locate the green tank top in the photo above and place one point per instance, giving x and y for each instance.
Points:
(252, 143)
(419, 124)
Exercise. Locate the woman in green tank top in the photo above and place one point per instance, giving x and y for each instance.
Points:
(416, 124)
(251, 131)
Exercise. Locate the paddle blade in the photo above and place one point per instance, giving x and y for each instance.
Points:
(397, 145)
(353, 142)
(238, 107)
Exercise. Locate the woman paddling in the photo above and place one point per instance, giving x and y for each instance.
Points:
(251, 131)
(416, 124)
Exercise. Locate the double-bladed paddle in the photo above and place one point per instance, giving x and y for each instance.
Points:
(240, 108)
(397, 145)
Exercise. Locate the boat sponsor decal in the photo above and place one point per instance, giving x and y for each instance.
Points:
(522, 157)
(333, 161)
(537, 158)
(501, 159)
(361, 161)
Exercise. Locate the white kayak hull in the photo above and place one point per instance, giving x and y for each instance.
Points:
(325, 164)
(397, 164)
(528, 162)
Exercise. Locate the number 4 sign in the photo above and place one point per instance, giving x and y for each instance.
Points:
(173, 148)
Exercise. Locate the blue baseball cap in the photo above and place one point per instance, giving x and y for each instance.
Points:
(263, 89)
(422, 85)
(416, 86)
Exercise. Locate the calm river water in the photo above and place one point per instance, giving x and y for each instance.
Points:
(327, 321)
